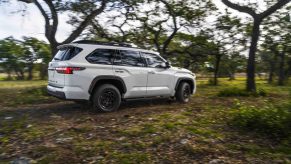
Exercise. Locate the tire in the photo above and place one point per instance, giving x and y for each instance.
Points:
(183, 92)
(106, 98)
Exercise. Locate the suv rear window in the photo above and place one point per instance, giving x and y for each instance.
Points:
(67, 53)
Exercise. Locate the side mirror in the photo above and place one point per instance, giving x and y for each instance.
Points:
(165, 65)
(168, 64)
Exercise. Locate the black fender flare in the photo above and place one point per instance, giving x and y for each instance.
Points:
(106, 77)
(186, 79)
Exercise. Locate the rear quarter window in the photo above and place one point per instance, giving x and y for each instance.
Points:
(67, 53)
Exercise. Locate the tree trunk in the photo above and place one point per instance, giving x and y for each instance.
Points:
(251, 84)
(54, 49)
(19, 73)
(216, 69)
(281, 69)
(272, 69)
(43, 71)
(231, 76)
(289, 70)
(30, 71)
(9, 75)
(186, 64)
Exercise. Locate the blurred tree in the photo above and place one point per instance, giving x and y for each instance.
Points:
(189, 51)
(157, 24)
(255, 33)
(267, 62)
(163, 21)
(39, 51)
(233, 63)
(227, 36)
(11, 57)
(277, 40)
(20, 56)
(81, 14)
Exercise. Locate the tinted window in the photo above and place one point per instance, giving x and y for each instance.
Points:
(129, 58)
(153, 60)
(67, 53)
(101, 56)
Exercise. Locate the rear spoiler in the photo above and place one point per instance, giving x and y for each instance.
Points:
(67, 45)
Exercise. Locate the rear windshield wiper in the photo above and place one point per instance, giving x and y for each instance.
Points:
(57, 59)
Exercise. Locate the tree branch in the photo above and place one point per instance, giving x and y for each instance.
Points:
(46, 18)
(243, 9)
(175, 30)
(273, 8)
(86, 22)
(55, 19)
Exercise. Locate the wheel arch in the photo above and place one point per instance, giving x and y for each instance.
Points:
(107, 79)
(190, 81)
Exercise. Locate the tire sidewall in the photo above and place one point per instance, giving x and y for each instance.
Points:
(180, 95)
(96, 98)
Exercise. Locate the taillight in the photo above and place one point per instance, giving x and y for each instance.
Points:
(68, 70)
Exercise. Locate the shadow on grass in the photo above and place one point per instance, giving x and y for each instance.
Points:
(69, 109)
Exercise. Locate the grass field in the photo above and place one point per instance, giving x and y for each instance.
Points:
(43, 129)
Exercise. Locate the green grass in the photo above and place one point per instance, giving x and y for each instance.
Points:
(197, 132)
(230, 92)
(15, 93)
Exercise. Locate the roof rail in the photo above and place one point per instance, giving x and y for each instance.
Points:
(104, 43)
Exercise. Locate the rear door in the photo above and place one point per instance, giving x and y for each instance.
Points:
(64, 54)
(129, 66)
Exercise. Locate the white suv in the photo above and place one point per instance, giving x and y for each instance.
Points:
(106, 73)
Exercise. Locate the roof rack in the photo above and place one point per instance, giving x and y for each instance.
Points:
(104, 43)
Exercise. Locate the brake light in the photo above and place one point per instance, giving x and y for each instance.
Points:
(68, 70)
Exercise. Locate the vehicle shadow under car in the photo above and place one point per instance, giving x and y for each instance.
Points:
(69, 109)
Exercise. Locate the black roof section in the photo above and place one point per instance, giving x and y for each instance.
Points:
(104, 43)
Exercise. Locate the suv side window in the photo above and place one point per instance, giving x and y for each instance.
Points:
(101, 56)
(129, 58)
(153, 61)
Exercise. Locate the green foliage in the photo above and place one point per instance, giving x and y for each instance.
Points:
(12, 57)
(270, 120)
(18, 57)
(229, 92)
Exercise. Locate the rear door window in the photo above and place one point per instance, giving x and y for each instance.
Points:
(67, 53)
(129, 58)
(101, 56)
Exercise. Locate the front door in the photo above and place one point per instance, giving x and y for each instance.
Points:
(160, 80)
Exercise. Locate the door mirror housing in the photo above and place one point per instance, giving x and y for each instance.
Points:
(168, 64)
(165, 65)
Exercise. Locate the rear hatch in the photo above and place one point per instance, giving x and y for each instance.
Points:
(56, 77)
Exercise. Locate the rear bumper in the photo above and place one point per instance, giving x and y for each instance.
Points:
(68, 92)
(58, 94)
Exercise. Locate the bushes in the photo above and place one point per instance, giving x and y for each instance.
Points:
(228, 92)
(273, 121)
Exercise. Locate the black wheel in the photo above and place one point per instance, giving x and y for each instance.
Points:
(183, 93)
(106, 98)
